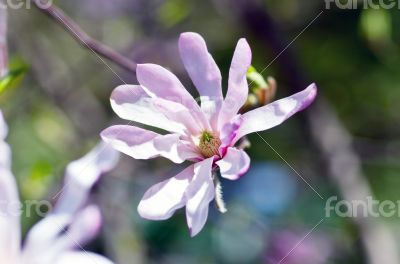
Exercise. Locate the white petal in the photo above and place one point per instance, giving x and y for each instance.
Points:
(10, 206)
(3, 127)
(10, 210)
(132, 103)
(162, 200)
(199, 194)
(82, 174)
(84, 227)
(234, 164)
(49, 238)
(180, 114)
(144, 144)
(42, 236)
(75, 257)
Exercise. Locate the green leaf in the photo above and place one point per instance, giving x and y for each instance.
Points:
(12, 79)
(376, 25)
(173, 12)
(256, 80)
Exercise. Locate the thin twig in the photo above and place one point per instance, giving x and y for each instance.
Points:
(3, 41)
(83, 38)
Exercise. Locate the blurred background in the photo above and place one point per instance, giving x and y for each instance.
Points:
(347, 144)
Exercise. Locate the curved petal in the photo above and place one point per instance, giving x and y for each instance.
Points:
(49, 238)
(159, 82)
(203, 71)
(229, 131)
(234, 164)
(82, 174)
(42, 236)
(237, 85)
(83, 228)
(143, 144)
(132, 103)
(180, 114)
(77, 257)
(162, 200)
(199, 194)
(10, 205)
(3, 127)
(5, 152)
(276, 113)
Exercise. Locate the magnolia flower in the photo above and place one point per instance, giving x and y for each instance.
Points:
(54, 239)
(205, 135)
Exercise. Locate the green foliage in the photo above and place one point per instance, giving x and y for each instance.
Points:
(376, 25)
(173, 11)
(255, 78)
(12, 79)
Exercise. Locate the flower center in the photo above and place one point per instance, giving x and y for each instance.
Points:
(209, 144)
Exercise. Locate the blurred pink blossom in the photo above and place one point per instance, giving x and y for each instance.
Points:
(205, 135)
(54, 239)
(291, 247)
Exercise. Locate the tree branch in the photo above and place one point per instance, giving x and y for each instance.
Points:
(82, 37)
(3, 41)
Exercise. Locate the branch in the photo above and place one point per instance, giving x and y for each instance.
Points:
(82, 37)
(3, 41)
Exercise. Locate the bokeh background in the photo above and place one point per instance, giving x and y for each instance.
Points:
(347, 144)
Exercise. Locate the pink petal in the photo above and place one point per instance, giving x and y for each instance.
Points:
(234, 164)
(230, 130)
(143, 144)
(162, 200)
(82, 174)
(77, 257)
(237, 85)
(132, 103)
(203, 71)
(199, 194)
(276, 113)
(159, 82)
(83, 228)
(180, 114)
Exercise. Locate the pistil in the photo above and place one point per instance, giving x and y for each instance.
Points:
(209, 144)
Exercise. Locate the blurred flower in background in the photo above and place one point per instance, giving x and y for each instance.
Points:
(59, 237)
(295, 247)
